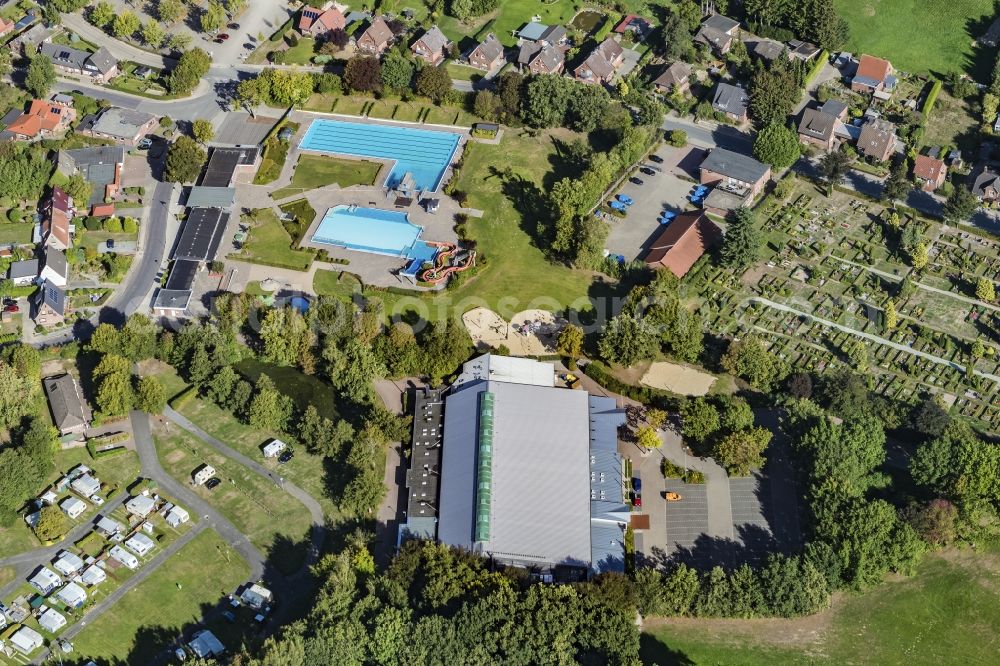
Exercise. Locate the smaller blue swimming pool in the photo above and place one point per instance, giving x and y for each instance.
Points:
(373, 230)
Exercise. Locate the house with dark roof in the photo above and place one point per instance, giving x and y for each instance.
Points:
(602, 64)
(818, 128)
(676, 77)
(719, 33)
(51, 306)
(874, 76)
(767, 50)
(804, 51)
(536, 58)
(731, 101)
(99, 66)
(318, 22)
(929, 172)
(546, 35)
(734, 172)
(682, 243)
(125, 125)
(69, 411)
(100, 166)
(488, 54)
(42, 119)
(57, 217)
(986, 184)
(877, 140)
(27, 42)
(432, 46)
(55, 268)
(376, 38)
(226, 166)
(23, 273)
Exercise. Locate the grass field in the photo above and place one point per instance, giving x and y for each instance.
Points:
(15, 233)
(314, 171)
(266, 515)
(137, 628)
(944, 614)
(269, 243)
(335, 283)
(918, 36)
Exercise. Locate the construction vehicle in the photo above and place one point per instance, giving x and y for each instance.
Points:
(672, 497)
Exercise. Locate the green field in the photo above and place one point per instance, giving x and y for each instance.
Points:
(943, 615)
(15, 233)
(145, 620)
(267, 516)
(918, 36)
(270, 244)
(314, 171)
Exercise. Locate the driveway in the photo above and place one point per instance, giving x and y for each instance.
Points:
(708, 134)
(664, 190)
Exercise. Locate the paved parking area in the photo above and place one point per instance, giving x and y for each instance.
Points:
(631, 235)
(687, 520)
(239, 129)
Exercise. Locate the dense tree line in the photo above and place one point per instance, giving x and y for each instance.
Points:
(117, 389)
(24, 170)
(814, 20)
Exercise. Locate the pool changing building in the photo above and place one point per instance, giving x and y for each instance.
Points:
(506, 465)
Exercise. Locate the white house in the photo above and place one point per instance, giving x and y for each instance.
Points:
(49, 497)
(86, 485)
(51, 620)
(273, 448)
(67, 563)
(140, 505)
(205, 645)
(203, 474)
(55, 269)
(45, 580)
(124, 557)
(27, 640)
(140, 544)
(177, 516)
(93, 575)
(257, 596)
(72, 595)
(73, 506)
(109, 527)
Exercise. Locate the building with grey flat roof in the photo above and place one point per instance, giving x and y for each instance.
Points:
(529, 474)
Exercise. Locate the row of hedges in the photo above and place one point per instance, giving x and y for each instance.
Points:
(184, 397)
(820, 63)
(931, 98)
(96, 453)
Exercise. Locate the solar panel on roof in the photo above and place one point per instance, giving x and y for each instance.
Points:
(63, 55)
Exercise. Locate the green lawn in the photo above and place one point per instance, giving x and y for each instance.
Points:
(336, 283)
(269, 517)
(461, 72)
(151, 616)
(918, 36)
(314, 171)
(944, 614)
(270, 244)
(15, 233)
(300, 54)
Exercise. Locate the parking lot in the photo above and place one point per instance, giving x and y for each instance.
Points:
(667, 189)
(239, 129)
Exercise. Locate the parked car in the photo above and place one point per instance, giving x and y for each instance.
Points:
(144, 144)
(233, 26)
(223, 36)
(656, 158)
(637, 499)
(647, 171)
(635, 181)
(213, 483)
(11, 308)
(285, 457)
(229, 616)
(636, 484)
(97, 500)
(9, 301)
(111, 243)
(626, 199)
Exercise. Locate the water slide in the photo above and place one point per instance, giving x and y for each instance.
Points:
(440, 272)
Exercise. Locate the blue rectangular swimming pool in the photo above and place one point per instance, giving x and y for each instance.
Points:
(373, 230)
(424, 153)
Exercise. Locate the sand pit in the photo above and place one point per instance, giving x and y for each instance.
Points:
(529, 333)
(677, 378)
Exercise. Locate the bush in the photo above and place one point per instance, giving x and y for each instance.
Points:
(15, 215)
(677, 138)
(931, 98)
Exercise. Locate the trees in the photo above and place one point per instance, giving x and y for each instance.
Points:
(570, 341)
(353, 367)
(41, 75)
(960, 206)
(747, 358)
(627, 339)
(742, 243)
(268, 408)
(397, 71)
(890, 316)
(102, 14)
(19, 478)
(833, 166)
(202, 130)
(587, 106)
(113, 376)
(179, 41)
(487, 105)
(363, 73)
(150, 396)
(153, 34)
(433, 82)
(773, 92)
(898, 185)
(16, 393)
(466, 9)
(171, 11)
(191, 66)
(78, 187)
(185, 158)
(52, 523)
(985, 290)
(24, 169)
(958, 465)
(919, 256)
(647, 438)
(125, 25)
(776, 145)
(699, 419)
(677, 38)
(213, 18)
(843, 459)
(251, 92)
(547, 99)
(818, 21)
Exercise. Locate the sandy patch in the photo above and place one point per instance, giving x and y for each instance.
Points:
(529, 333)
(175, 456)
(678, 379)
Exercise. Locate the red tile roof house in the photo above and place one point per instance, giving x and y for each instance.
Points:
(42, 119)
(873, 75)
(432, 46)
(676, 77)
(5, 26)
(877, 140)
(602, 63)
(682, 243)
(633, 23)
(318, 22)
(488, 54)
(929, 172)
(376, 38)
(56, 220)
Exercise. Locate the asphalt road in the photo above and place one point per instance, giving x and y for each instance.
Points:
(151, 468)
(130, 296)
